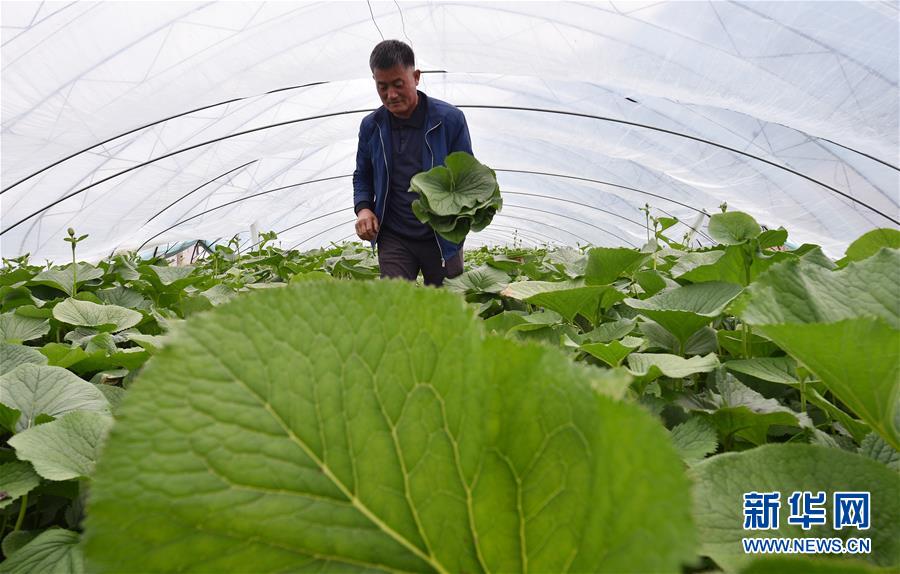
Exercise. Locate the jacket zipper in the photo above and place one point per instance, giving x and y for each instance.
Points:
(441, 251)
(387, 186)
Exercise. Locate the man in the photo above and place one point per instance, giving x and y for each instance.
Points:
(409, 134)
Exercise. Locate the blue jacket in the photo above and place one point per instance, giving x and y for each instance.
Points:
(445, 132)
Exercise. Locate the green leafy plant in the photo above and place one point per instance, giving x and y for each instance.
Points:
(411, 433)
(850, 342)
(458, 197)
(722, 480)
(805, 357)
(74, 241)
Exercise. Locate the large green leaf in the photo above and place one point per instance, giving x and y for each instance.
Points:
(17, 539)
(123, 297)
(869, 243)
(842, 325)
(606, 264)
(652, 281)
(694, 439)
(219, 293)
(744, 413)
(695, 259)
(15, 297)
(567, 298)
(17, 478)
(722, 481)
(874, 447)
(733, 227)
(503, 322)
(772, 238)
(773, 369)
(733, 343)
(858, 429)
(812, 565)
(610, 331)
(61, 277)
(378, 429)
(34, 390)
(11, 277)
(65, 448)
(699, 267)
(702, 342)
(612, 353)
(504, 263)
(482, 279)
(649, 366)
(55, 551)
(857, 361)
(9, 417)
(683, 310)
(60, 355)
(568, 260)
(311, 276)
(464, 184)
(87, 314)
(14, 328)
(802, 292)
(463, 195)
(80, 362)
(11, 356)
(173, 277)
(151, 343)
(115, 396)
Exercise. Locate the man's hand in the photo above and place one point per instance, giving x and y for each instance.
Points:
(366, 224)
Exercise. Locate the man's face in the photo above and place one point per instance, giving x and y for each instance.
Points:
(397, 89)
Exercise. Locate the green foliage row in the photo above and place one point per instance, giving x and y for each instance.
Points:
(559, 420)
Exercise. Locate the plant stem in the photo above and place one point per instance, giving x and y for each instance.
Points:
(74, 272)
(746, 337)
(803, 394)
(21, 518)
(747, 257)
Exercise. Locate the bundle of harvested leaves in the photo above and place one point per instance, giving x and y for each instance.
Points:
(457, 198)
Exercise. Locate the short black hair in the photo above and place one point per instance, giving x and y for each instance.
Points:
(389, 53)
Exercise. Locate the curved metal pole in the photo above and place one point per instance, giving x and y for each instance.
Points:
(238, 201)
(499, 214)
(158, 213)
(176, 152)
(643, 226)
(576, 220)
(497, 236)
(145, 126)
(472, 106)
(638, 223)
(551, 226)
(600, 181)
(294, 246)
(530, 231)
(532, 235)
(572, 201)
(298, 225)
(693, 138)
(176, 116)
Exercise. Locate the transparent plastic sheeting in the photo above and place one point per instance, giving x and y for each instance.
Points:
(151, 123)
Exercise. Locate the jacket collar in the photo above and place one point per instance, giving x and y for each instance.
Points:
(433, 116)
(417, 119)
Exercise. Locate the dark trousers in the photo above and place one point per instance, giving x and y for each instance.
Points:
(404, 258)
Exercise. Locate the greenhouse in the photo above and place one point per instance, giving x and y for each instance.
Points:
(657, 326)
